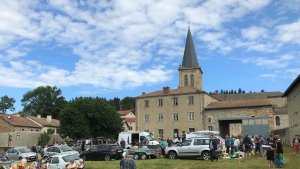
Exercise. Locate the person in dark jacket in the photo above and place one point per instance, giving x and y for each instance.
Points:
(212, 148)
(33, 149)
(227, 144)
(248, 146)
(278, 152)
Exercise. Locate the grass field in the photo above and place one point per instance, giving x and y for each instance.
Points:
(291, 162)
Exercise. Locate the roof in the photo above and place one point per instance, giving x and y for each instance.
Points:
(293, 84)
(189, 58)
(124, 112)
(43, 121)
(245, 96)
(129, 119)
(238, 104)
(179, 90)
(19, 121)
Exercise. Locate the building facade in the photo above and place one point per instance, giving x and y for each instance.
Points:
(129, 120)
(292, 94)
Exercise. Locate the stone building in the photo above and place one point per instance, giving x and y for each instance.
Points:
(47, 124)
(169, 112)
(17, 123)
(129, 119)
(293, 107)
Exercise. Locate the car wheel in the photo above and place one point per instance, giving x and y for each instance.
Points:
(205, 155)
(144, 156)
(107, 157)
(83, 157)
(136, 157)
(172, 155)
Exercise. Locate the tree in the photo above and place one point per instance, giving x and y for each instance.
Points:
(44, 100)
(128, 103)
(6, 103)
(262, 90)
(44, 138)
(240, 90)
(87, 117)
(115, 102)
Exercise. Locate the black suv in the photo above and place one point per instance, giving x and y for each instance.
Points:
(102, 152)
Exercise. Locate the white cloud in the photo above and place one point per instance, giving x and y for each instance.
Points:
(289, 33)
(268, 75)
(278, 62)
(293, 73)
(254, 32)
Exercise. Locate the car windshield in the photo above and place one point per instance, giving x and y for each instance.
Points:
(66, 148)
(24, 150)
(149, 138)
(186, 143)
(68, 158)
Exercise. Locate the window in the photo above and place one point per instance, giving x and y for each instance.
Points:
(197, 142)
(22, 129)
(161, 133)
(146, 118)
(185, 80)
(55, 160)
(191, 116)
(129, 128)
(191, 99)
(175, 116)
(209, 120)
(37, 130)
(210, 128)
(160, 102)
(175, 101)
(146, 131)
(160, 117)
(191, 130)
(146, 103)
(192, 80)
(57, 150)
(277, 120)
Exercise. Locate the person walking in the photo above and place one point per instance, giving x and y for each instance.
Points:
(248, 146)
(296, 142)
(129, 163)
(278, 152)
(212, 148)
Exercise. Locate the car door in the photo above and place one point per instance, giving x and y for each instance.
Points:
(9, 154)
(92, 153)
(49, 151)
(15, 155)
(54, 164)
(196, 147)
(103, 150)
(184, 148)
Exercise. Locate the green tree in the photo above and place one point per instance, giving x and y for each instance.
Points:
(6, 103)
(243, 91)
(87, 117)
(262, 90)
(44, 138)
(128, 103)
(115, 102)
(44, 100)
(240, 90)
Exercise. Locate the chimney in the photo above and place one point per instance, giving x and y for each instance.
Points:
(166, 90)
(217, 94)
(225, 98)
(38, 116)
(49, 118)
(143, 93)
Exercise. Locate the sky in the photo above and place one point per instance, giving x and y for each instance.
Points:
(123, 48)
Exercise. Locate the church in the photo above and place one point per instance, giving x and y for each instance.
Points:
(169, 112)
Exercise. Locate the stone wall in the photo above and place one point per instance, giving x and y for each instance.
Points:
(284, 135)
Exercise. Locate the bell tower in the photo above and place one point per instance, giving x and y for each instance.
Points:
(190, 73)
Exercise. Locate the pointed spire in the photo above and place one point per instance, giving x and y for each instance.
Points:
(189, 58)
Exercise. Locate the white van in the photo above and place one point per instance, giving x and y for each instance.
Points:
(135, 138)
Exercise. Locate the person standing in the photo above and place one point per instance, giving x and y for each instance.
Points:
(231, 144)
(270, 153)
(296, 142)
(163, 145)
(183, 136)
(278, 152)
(212, 148)
(129, 163)
(227, 144)
(33, 149)
(123, 143)
(24, 163)
(248, 146)
(236, 144)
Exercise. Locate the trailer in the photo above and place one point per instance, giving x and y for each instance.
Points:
(145, 152)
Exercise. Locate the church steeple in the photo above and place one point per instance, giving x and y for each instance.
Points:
(190, 73)
(189, 57)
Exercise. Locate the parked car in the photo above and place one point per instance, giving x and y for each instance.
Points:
(193, 148)
(59, 149)
(62, 160)
(102, 152)
(2, 157)
(20, 153)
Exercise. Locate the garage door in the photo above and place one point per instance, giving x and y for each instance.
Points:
(256, 126)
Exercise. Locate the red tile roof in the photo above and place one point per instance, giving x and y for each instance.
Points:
(19, 121)
(179, 90)
(238, 103)
(43, 121)
(124, 112)
(132, 119)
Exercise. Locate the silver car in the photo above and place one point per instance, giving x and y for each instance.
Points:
(20, 153)
(59, 149)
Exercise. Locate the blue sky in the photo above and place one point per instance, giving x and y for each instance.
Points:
(123, 48)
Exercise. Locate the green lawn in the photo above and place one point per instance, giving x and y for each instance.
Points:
(163, 163)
